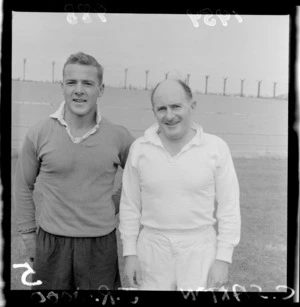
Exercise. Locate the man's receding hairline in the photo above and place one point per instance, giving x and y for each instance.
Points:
(186, 89)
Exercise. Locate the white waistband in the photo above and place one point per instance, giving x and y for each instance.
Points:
(179, 231)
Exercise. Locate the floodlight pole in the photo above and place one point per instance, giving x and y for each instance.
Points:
(224, 86)
(24, 68)
(53, 65)
(206, 84)
(258, 89)
(125, 81)
(146, 85)
(274, 90)
(242, 87)
(188, 79)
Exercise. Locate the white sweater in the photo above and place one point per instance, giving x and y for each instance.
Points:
(179, 192)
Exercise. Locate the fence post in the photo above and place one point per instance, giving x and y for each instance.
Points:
(206, 84)
(53, 64)
(125, 81)
(224, 86)
(146, 85)
(274, 90)
(24, 68)
(258, 89)
(242, 87)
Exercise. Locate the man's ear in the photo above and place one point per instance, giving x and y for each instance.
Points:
(194, 105)
(61, 83)
(101, 89)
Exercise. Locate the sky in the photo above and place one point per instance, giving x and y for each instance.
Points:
(256, 48)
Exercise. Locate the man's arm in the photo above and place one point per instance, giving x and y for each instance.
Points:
(27, 169)
(228, 217)
(127, 141)
(116, 198)
(130, 214)
(29, 239)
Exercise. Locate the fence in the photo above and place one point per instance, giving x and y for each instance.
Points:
(250, 126)
(138, 78)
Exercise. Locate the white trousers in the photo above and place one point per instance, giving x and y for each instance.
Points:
(176, 260)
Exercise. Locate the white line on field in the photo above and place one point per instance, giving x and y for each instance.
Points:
(42, 103)
(34, 102)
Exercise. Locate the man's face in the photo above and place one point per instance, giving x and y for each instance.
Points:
(172, 110)
(81, 89)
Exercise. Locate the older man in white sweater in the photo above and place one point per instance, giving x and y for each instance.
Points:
(173, 175)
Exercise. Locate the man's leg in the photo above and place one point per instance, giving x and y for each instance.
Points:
(96, 263)
(53, 262)
(156, 260)
(198, 252)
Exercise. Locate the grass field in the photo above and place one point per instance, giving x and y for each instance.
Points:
(261, 256)
(249, 126)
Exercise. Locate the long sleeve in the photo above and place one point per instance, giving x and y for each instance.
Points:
(127, 141)
(27, 169)
(228, 210)
(130, 207)
(116, 198)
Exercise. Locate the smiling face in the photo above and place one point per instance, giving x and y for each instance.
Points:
(173, 110)
(81, 89)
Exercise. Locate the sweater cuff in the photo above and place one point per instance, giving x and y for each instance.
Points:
(224, 252)
(129, 248)
(27, 227)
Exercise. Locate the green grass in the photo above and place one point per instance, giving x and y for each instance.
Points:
(261, 256)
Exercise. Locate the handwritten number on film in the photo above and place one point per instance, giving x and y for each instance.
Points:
(209, 18)
(109, 295)
(85, 9)
(26, 273)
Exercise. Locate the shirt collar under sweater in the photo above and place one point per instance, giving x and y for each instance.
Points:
(59, 114)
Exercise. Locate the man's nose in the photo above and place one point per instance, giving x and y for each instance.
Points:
(78, 88)
(169, 114)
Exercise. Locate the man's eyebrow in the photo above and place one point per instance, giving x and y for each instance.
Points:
(91, 81)
(75, 80)
(171, 105)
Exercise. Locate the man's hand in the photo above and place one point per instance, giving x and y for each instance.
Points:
(132, 271)
(218, 274)
(29, 240)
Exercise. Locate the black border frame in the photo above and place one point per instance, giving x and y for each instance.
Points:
(27, 297)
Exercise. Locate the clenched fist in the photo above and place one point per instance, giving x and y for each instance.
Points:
(29, 240)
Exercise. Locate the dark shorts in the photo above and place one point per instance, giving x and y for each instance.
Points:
(73, 263)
